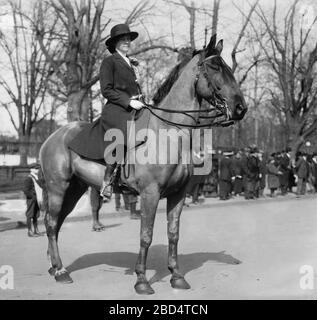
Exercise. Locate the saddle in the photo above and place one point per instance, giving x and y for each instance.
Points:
(141, 123)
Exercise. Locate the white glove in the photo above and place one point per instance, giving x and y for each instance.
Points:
(136, 104)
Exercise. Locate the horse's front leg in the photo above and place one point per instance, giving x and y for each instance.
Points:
(149, 203)
(175, 203)
(96, 204)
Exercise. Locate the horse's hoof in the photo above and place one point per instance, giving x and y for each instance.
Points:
(179, 283)
(63, 277)
(143, 288)
(52, 271)
(98, 227)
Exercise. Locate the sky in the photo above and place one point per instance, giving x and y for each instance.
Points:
(158, 23)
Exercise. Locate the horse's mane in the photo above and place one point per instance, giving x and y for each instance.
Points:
(185, 56)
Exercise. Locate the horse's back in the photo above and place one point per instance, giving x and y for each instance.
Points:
(63, 135)
(54, 151)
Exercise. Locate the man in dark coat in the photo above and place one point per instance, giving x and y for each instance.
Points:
(273, 174)
(119, 85)
(225, 176)
(261, 183)
(244, 157)
(237, 173)
(32, 211)
(252, 171)
(285, 163)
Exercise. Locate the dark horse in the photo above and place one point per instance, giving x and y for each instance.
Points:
(67, 175)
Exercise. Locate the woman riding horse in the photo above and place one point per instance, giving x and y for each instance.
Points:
(68, 175)
(119, 85)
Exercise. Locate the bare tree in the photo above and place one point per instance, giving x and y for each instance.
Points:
(191, 10)
(24, 76)
(291, 56)
(235, 49)
(78, 29)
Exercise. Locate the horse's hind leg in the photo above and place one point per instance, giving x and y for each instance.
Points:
(175, 204)
(149, 202)
(60, 204)
(55, 202)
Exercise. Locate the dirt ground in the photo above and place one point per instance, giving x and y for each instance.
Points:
(271, 239)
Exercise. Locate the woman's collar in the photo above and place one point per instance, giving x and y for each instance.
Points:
(122, 54)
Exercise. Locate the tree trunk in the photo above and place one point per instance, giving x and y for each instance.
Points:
(215, 15)
(24, 149)
(294, 140)
(78, 106)
(192, 25)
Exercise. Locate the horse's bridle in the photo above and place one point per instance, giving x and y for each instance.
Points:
(217, 101)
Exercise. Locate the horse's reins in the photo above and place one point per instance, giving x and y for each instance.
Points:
(217, 101)
(150, 107)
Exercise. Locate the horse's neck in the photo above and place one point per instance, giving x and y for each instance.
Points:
(181, 96)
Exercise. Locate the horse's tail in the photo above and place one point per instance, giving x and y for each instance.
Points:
(42, 183)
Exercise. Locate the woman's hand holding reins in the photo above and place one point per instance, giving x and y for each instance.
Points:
(136, 104)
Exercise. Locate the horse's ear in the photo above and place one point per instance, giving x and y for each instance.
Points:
(211, 45)
(219, 46)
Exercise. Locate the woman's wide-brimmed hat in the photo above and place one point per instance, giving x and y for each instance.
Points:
(118, 31)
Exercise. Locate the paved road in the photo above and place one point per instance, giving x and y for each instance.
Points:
(271, 239)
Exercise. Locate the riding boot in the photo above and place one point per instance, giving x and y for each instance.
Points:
(106, 188)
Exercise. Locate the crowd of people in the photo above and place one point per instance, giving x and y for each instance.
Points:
(249, 171)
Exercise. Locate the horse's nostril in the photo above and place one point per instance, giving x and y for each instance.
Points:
(240, 110)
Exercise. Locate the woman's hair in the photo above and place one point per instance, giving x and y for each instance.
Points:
(112, 47)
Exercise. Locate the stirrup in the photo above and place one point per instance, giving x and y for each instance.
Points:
(106, 192)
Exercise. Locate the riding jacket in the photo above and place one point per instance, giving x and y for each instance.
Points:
(118, 84)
